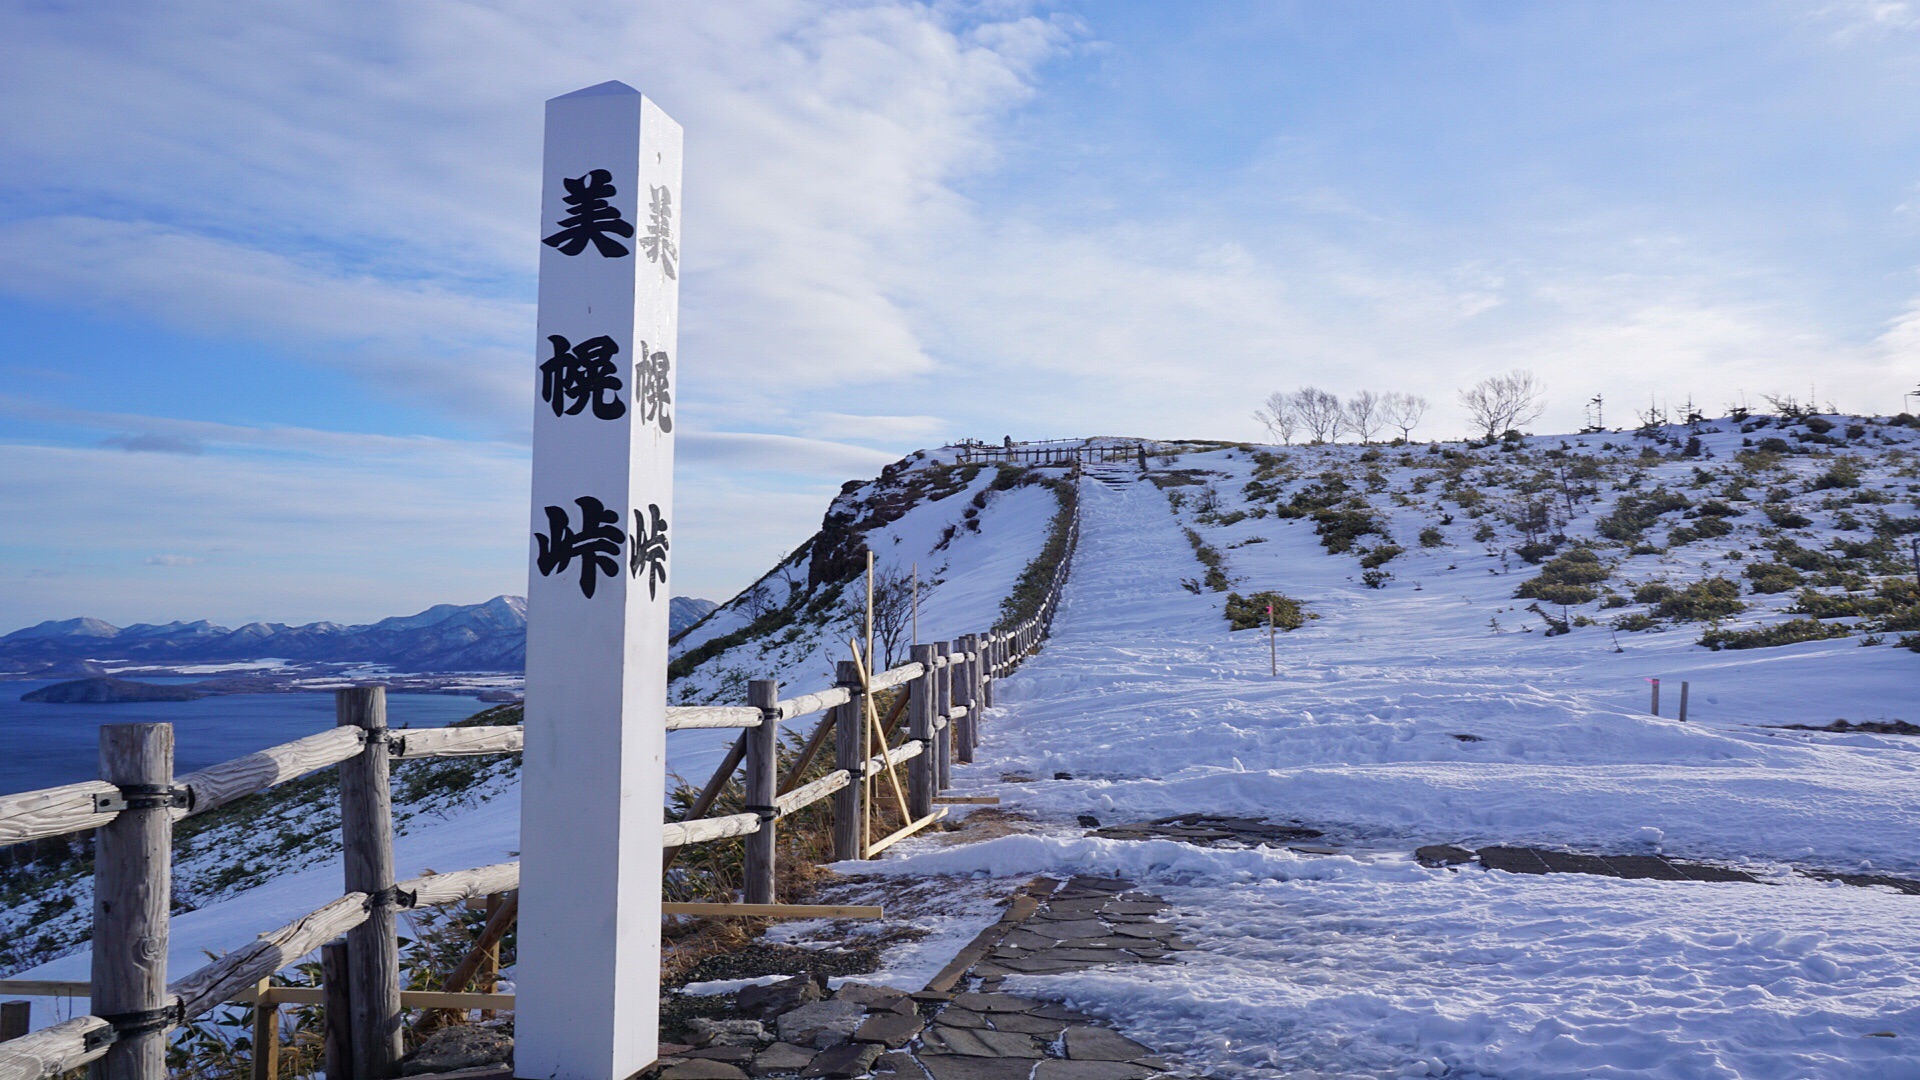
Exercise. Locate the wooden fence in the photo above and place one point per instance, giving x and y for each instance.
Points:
(134, 804)
(1051, 453)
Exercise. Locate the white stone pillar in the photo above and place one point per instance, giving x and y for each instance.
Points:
(593, 782)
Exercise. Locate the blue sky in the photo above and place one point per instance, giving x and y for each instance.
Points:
(266, 280)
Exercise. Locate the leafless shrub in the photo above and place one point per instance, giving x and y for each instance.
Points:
(1403, 411)
(1319, 413)
(1363, 415)
(1278, 417)
(1502, 403)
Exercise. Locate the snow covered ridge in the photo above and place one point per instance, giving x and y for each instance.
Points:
(963, 533)
(1749, 534)
(489, 636)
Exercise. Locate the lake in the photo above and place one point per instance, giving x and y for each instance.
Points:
(44, 745)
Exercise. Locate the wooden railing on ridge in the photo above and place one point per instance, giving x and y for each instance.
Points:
(1051, 452)
(134, 805)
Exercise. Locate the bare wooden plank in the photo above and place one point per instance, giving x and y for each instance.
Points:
(218, 785)
(433, 890)
(57, 811)
(808, 794)
(689, 717)
(905, 831)
(51, 1051)
(912, 748)
(776, 911)
(458, 741)
(412, 999)
(682, 833)
(807, 704)
(893, 677)
(238, 971)
(46, 987)
(967, 800)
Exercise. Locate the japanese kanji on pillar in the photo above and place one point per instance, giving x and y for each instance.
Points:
(598, 588)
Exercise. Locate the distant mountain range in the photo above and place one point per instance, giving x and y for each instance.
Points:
(446, 637)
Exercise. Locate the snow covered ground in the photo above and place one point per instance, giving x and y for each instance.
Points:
(1366, 963)
(1432, 709)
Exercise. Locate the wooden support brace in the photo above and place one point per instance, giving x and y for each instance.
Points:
(911, 828)
(775, 911)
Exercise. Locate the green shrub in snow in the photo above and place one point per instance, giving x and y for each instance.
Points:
(1773, 577)
(1786, 633)
(1708, 598)
(1250, 612)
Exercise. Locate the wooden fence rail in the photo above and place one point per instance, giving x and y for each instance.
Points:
(946, 685)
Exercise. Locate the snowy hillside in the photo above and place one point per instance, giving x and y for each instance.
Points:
(1432, 707)
(970, 530)
(1473, 631)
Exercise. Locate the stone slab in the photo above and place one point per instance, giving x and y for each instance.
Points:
(1056, 1069)
(952, 1067)
(1100, 1044)
(843, 1062)
(889, 1029)
(782, 1057)
(995, 1003)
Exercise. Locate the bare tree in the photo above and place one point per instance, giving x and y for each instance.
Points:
(1403, 411)
(1363, 415)
(1502, 403)
(1319, 413)
(892, 611)
(1278, 417)
(756, 601)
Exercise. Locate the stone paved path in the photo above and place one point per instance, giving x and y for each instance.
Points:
(972, 1031)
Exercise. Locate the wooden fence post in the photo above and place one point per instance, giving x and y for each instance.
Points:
(989, 647)
(1656, 696)
(366, 835)
(963, 696)
(15, 1018)
(977, 688)
(763, 747)
(943, 722)
(266, 1035)
(920, 771)
(847, 754)
(132, 888)
(336, 987)
(1684, 687)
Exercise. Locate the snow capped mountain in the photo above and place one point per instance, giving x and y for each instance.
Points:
(490, 636)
